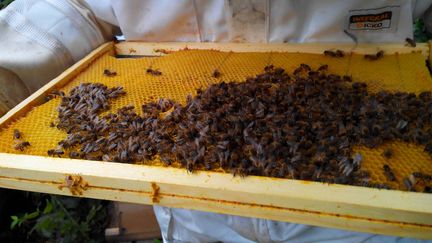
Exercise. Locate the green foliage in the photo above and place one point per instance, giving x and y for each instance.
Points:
(65, 219)
(18, 221)
(4, 3)
(420, 34)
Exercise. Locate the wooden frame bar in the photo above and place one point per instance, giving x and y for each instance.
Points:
(163, 48)
(339, 206)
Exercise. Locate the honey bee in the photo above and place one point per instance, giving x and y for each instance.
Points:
(109, 73)
(357, 159)
(409, 186)
(388, 153)
(216, 73)
(329, 53)
(112, 146)
(380, 54)
(374, 57)
(410, 42)
(323, 67)
(347, 78)
(55, 152)
(57, 93)
(107, 158)
(339, 53)
(428, 148)
(154, 72)
(21, 145)
(124, 156)
(72, 154)
(16, 134)
(268, 68)
(381, 186)
(163, 51)
(305, 67)
(389, 173)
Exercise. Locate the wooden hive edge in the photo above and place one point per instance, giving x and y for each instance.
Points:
(130, 48)
(372, 210)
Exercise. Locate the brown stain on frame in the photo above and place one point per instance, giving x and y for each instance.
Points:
(241, 204)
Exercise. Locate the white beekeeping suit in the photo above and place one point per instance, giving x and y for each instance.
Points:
(41, 38)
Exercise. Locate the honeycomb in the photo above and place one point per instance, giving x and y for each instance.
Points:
(185, 71)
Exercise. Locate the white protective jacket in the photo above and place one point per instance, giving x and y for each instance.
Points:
(41, 38)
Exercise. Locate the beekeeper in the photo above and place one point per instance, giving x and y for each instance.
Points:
(39, 39)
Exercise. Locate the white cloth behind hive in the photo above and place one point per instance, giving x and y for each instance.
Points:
(182, 225)
(41, 38)
(254, 20)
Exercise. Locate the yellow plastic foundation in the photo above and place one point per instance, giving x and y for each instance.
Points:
(185, 71)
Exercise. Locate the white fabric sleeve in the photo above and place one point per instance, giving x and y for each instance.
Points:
(182, 225)
(12, 90)
(41, 38)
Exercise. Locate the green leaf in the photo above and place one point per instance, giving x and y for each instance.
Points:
(67, 227)
(32, 215)
(14, 222)
(420, 33)
(4, 3)
(45, 225)
(48, 208)
(92, 213)
(156, 241)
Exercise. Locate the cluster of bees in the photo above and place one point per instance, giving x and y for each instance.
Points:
(302, 126)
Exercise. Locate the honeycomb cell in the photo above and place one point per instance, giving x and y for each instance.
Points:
(185, 71)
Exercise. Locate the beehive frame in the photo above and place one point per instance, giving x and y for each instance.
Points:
(338, 206)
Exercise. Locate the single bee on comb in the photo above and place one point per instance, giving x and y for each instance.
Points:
(389, 173)
(388, 153)
(21, 145)
(154, 72)
(17, 134)
(109, 73)
(216, 73)
(55, 152)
